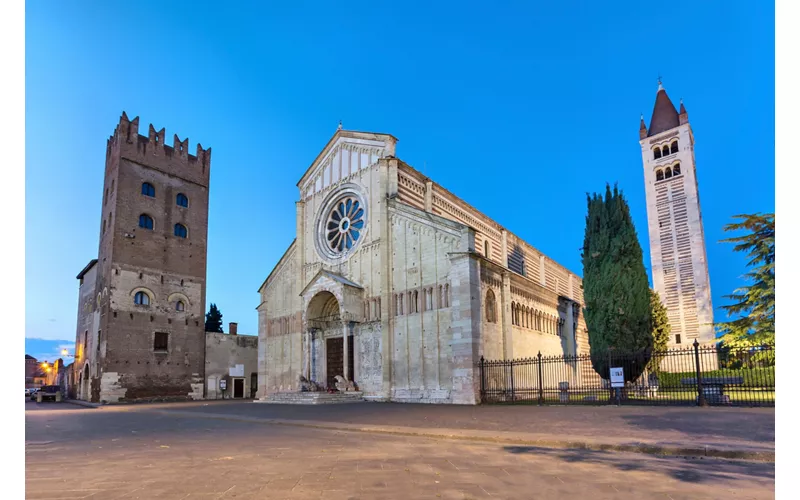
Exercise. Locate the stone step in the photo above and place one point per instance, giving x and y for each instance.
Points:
(312, 398)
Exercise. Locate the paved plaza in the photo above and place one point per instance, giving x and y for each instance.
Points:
(202, 451)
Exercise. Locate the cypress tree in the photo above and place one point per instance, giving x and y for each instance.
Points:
(214, 319)
(616, 290)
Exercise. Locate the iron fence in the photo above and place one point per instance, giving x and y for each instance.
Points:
(696, 375)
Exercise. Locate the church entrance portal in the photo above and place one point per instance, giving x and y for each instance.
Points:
(334, 348)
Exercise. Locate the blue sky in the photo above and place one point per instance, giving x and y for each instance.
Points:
(546, 97)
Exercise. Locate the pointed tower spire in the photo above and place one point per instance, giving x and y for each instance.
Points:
(683, 116)
(665, 116)
(642, 127)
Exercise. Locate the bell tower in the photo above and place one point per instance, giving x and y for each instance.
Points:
(675, 222)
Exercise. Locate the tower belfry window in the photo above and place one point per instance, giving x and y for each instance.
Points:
(676, 169)
(659, 175)
(657, 153)
(668, 173)
(674, 147)
(148, 189)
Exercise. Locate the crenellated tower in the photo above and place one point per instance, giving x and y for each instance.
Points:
(675, 222)
(146, 338)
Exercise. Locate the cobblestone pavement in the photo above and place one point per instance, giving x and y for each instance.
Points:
(74, 452)
(723, 428)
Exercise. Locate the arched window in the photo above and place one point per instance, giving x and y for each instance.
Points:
(665, 151)
(491, 315)
(145, 222)
(148, 189)
(674, 147)
(656, 153)
(180, 231)
(667, 173)
(447, 295)
(141, 299)
(659, 175)
(486, 248)
(182, 200)
(513, 321)
(180, 306)
(676, 169)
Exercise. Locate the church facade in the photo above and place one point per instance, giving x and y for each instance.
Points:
(397, 284)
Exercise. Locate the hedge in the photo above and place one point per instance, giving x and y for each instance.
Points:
(751, 377)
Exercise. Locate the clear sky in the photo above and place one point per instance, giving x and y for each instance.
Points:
(520, 110)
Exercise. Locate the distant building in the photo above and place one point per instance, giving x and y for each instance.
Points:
(675, 222)
(31, 370)
(232, 361)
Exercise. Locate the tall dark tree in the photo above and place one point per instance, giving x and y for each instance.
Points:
(754, 304)
(214, 319)
(616, 289)
(661, 329)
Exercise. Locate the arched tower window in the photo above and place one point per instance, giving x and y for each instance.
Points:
(141, 299)
(656, 153)
(667, 173)
(491, 315)
(676, 169)
(180, 231)
(145, 222)
(674, 147)
(179, 305)
(148, 189)
(486, 248)
(665, 151)
(181, 200)
(659, 175)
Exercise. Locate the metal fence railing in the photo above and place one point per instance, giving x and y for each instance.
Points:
(696, 375)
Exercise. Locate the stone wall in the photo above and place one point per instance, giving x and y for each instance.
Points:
(223, 352)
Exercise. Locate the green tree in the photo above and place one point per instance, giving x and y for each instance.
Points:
(214, 319)
(661, 330)
(754, 304)
(616, 289)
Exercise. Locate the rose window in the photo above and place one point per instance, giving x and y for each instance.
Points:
(344, 224)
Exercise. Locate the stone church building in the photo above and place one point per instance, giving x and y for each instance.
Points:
(397, 284)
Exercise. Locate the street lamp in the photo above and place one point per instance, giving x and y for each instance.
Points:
(64, 352)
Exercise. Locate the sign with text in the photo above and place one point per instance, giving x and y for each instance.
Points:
(236, 371)
(223, 384)
(617, 377)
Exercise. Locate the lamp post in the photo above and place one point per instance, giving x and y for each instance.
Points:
(66, 353)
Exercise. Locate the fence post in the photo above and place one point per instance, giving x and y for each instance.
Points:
(701, 398)
(541, 395)
(483, 379)
(513, 396)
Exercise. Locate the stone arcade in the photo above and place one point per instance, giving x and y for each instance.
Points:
(398, 285)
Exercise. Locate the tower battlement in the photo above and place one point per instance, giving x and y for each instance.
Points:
(152, 150)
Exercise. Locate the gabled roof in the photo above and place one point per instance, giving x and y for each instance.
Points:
(335, 277)
(352, 134)
(86, 269)
(665, 116)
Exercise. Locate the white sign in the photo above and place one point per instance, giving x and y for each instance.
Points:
(617, 377)
(223, 384)
(236, 371)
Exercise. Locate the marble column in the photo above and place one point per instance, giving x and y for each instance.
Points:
(346, 357)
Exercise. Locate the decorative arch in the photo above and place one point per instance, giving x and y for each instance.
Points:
(674, 147)
(656, 153)
(665, 151)
(176, 296)
(659, 175)
(667, 173)
(676, 169)
(491, 311)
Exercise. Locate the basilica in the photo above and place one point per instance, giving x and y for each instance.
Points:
(400, 286)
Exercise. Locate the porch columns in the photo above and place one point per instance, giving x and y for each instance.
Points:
(345, 334)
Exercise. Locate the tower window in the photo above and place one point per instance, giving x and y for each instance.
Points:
(665, 151)
(180, 231)
(656, 153)
(148, 189)
(667, 173)
(674, 147)
(145, 222)
(161, 342)
(182, 200)
(141, 299)
(486, 248)
(179, 305)
(676, 169)
(659, 175)
(678, 338)
(104, 226)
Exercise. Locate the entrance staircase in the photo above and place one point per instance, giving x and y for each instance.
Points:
(312, 398)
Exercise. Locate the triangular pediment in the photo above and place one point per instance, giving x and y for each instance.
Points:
(345, 154)
(332, 279)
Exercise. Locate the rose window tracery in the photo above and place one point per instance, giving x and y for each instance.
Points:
(344, 224)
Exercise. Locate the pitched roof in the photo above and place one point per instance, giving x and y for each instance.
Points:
(665, 116)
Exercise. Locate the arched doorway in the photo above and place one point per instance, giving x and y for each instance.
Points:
(328, 351)
(85, 395)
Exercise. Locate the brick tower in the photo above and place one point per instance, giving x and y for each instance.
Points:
(140, 331)
(675, 222)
